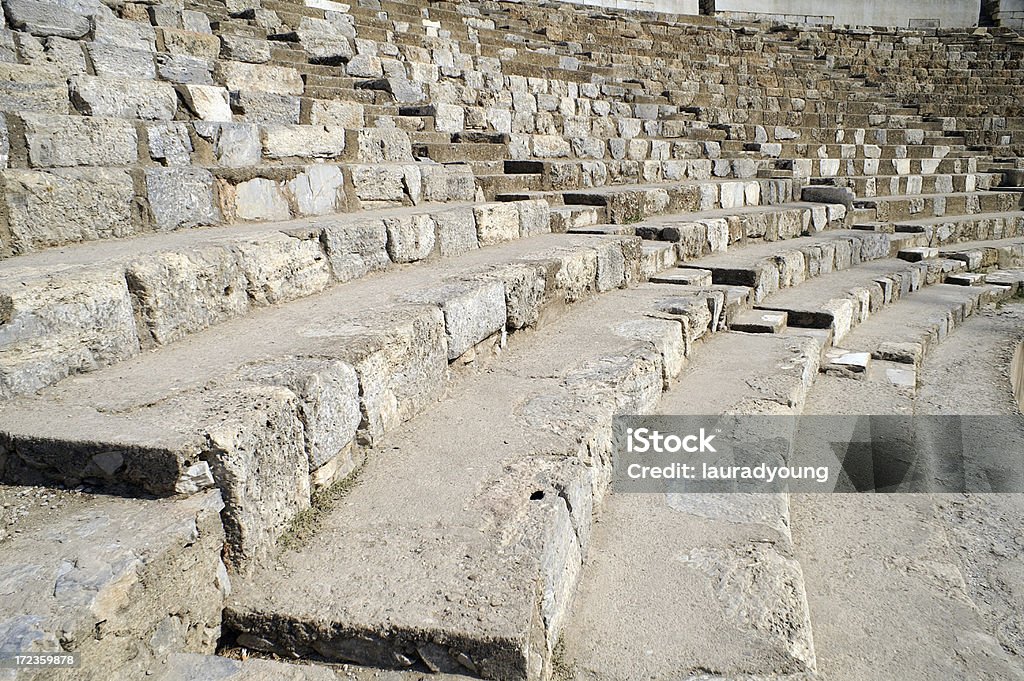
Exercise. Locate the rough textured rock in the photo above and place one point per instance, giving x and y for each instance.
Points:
(46, 19)
(123, 98)
(260, 199)
(473, 311)
(410, 238)
(33, 89)
(277, 80)
(66, 206)
(497, 223)
(111, 566)
(234, 145)
(356, 248)
(63, 325)
(307, 141)
(181, 197)
(456, 231)
(60, 141)
(207, 102)
(319, 190)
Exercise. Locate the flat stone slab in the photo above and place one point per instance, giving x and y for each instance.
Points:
(108, 565)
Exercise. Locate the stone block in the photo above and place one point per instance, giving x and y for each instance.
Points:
(265, 107)
(46, 19)
(525, 293)
(319, 190)
(183, 69)
(177, 294)
(109, 61)
(169, 143)
(258, 458)
(534, 217)
(32, 88)
(333, 112)
(242, 48)
(456, 231)
(364, 66)
(356, 247)
(207, 102)
(378, 182)
(303, 141)
(278, 80)
(129, 35)
(280, 267)
(67, 206)
(260, 199)
(62, 141)
(181, 197)
(473, 311)
(410, 237)
(121, 98)
(5, 144)
(234, 145)
(382, 145)
(328, 401)
(496, 223)
(191, 43)
(61, 325)
(449, 118)
(325, 46)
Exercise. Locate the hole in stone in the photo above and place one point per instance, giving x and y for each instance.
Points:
(537, 496)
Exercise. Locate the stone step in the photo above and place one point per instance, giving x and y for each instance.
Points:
(836, 167)
(712, 581)
(120, 582)
(906, 185)
(500, 536)
(453, 153)
(96, 304)
(312, 381)
(942, 231)
(196, 667)
(907, 207)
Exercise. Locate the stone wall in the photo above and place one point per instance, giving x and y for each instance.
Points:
(668, 6)
(915, 14)
(1009, 13)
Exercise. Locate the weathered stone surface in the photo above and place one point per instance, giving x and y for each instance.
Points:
(113, 564)
(180, 68)
(364, 66)
(305, 141)
(109, 61)
(402, 365)
(33, 89)
(403, 90)
(323, 43)
(473, 311)
(45, 19)
(192, 667)
(410, 237)
(206, 101)
(61, 141)
(234, 145)
(379, 182)
(456, 231)
(496, 223)
(260, 199)
(319, 190)
(328, 397)
(525, 293)
(62, 325)
(181, 197)
(241, 48)
(191, 43)
(170, 143)
(177, 294)
(259, 461)
(356, 247)
(382, 145)
(279, 267)
(130, 35)
(5, 144)
(266, 107)
(67, 206)
(333, 112)
(534, 217)
(278, 80)
(122, 98)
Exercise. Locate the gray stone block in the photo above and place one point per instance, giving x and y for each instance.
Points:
(534, 217)
(169, 143)
(206, 101)
(410, 237)
(260, 199)
(121, 98)
(177, 294)
(378, 182)
(319, 190)
(5, 144)
(235, 145)
(303, 141)
(826, 194)
(110, 61)
(62, 324)
(473, 311)
(55, 54)
(180, 68)
(33, 89)
(456, 231)
(181, 197)
(333, 112)
(382, 145)
(67, 206)
(130, 35)
(264, 107)
(45, 19)
(61, 141)
(277, 80)
(496, 223)
(241, 48)
(356, 247)
(280, 267)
